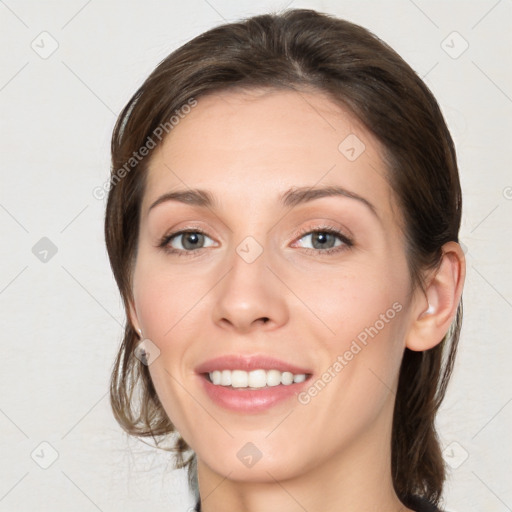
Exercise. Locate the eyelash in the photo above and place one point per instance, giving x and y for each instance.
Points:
(347, 242)
(331, 230)
(178, 252)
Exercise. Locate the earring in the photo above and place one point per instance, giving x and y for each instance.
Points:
(140, 332)
(429, 310)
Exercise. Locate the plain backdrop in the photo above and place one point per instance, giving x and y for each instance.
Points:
(67, 69)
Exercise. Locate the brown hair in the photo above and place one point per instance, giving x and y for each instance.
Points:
(299, 49)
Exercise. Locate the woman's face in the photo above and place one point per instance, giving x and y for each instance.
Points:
(299, 257)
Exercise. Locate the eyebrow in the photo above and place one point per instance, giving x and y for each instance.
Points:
(291, 198)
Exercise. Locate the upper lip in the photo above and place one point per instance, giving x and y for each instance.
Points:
(248, 363)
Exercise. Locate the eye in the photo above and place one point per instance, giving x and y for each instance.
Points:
(185, 241)
(189, 242)
(324, 240)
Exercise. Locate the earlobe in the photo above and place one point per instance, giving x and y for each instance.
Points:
(435, 312)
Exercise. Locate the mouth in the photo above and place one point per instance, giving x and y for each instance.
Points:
(251, 383)
(254, 379)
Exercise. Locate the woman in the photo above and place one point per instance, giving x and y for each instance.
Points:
(282, 223)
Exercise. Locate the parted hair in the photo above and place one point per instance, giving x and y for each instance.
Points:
(301, 49)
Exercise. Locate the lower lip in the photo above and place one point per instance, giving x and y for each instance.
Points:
(248, 400)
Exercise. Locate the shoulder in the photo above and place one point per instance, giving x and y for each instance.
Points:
(417, 503)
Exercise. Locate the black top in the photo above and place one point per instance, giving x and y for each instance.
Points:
(421, 504)
(414, 502)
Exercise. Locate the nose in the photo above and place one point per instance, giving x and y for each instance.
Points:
(250, 296)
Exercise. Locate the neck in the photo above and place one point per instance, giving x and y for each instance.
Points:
(358, 478)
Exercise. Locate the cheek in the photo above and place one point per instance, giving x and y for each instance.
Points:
(362, 320)
(162, 298)
(348, 303)
(361, 365)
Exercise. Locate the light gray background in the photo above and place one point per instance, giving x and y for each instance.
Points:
(62, 318)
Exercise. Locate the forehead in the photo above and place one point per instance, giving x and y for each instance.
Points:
(231, 125)
(259, 143)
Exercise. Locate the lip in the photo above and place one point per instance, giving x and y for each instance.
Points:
(248, 363)
(245, 400)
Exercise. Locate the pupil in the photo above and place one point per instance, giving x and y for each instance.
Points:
(191, 240)
(322, 238)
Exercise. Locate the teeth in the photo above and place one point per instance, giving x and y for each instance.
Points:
(255, 378)
(239, 379)
(225, 378)
(273, 378)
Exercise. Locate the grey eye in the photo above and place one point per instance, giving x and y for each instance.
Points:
(322, 240)
(189, 241)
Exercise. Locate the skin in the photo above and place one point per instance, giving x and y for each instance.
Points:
(247, 149)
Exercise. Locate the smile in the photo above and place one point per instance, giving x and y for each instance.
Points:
(254, 379)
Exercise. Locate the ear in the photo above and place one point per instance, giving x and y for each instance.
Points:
(434, 313)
